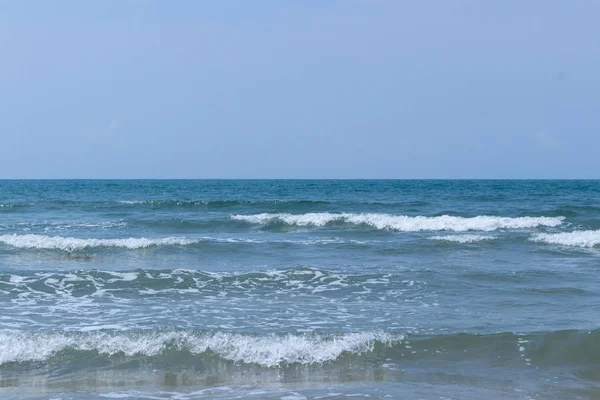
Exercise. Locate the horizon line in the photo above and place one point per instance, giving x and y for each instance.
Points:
(298, 179)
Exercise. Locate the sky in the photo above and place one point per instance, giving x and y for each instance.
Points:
(299, 89)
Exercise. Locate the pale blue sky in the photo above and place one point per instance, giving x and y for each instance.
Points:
(299, 89)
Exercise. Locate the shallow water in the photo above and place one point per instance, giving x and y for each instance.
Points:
(299, 289)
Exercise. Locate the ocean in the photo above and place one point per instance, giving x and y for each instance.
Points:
(299, 289)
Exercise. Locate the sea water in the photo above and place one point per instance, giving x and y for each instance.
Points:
(294, 289)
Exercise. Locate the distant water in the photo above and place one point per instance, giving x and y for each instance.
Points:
(301, 289)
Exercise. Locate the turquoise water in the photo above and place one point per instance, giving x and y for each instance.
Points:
(289, 289)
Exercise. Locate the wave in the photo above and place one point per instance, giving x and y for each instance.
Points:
(280, 350)
(576, 238)
(403, 223)
(464, 238)
(266, 350)
(64, 225)
(71, 244)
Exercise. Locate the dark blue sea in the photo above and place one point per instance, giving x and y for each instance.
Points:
(299, 289)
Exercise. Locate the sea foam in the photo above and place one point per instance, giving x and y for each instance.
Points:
(404, 223)
(464, 238)
(72, 244)
(265, 350)
(576, 238)
(33, 241)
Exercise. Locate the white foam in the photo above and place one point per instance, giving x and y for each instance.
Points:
(33, 241)
(72, 244)
(576, 238)
(464, 238)
(267, 350)
(405, 223)
(61, 225)
(124, 276)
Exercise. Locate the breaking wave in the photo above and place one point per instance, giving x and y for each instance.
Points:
(281, 350)
(403, 223)
(266, 350)
(72, 244)
(576, 238)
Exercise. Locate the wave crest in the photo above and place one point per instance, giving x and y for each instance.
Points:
(266, 351)
(464, 238)
(70, 244)
(281, 350)
(403, 223)
(576, 238)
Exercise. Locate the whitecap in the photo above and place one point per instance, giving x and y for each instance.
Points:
(405, 223)
(264, 350)
(31, 241)
(577, 238)
(464, 238)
